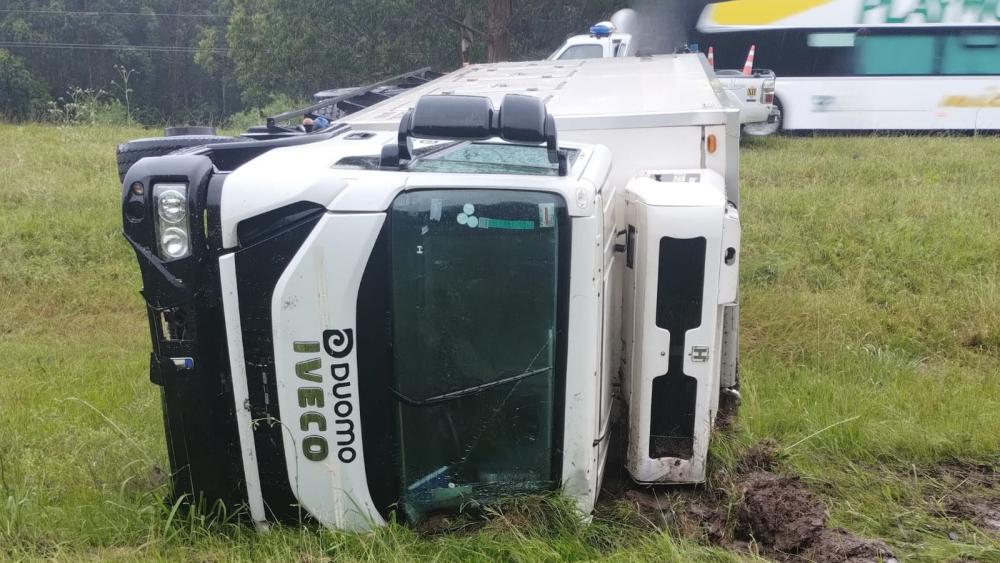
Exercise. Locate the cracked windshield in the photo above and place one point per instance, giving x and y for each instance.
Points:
(475, 292)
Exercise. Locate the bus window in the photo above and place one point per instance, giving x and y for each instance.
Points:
(583, 52)
(896, 54)
(830, 53)
(831, 39)
(972, 53)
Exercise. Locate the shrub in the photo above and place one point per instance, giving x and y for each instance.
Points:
(86, 106)
(249, 117)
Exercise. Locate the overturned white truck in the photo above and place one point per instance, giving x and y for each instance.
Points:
(440, 300)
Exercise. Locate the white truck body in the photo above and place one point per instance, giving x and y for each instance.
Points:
(645, 265)
(753, 95)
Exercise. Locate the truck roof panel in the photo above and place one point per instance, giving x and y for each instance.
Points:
(607, 93)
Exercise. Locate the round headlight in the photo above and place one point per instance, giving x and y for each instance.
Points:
(174, 242)
(172, 206)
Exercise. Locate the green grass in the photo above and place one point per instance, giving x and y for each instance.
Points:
(871, 353)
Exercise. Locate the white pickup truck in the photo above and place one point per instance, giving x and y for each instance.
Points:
(752, 93)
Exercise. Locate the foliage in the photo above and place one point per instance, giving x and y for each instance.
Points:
(197, 61)
(302, 46)
(871, 340)
(240, 122)
(87, 106)
(167, 84)
(21, 95)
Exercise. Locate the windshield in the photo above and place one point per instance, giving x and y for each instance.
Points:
(475, 292)
(587, 51)
(473, 158)
(491, 158)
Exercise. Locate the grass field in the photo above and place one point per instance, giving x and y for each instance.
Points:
(871, 356)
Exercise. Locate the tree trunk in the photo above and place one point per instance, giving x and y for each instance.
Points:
(498, 30)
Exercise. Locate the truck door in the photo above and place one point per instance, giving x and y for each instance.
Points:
(679, 278)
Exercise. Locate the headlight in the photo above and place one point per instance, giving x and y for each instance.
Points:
(172, 230)
(172, 206)
(174, 242)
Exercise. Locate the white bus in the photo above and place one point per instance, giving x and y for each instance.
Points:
(856, 65)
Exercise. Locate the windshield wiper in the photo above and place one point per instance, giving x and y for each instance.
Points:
(467, 391)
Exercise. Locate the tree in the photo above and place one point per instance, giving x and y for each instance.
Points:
(518, 29)
(296, 47)
(21, 95)
(78, 43)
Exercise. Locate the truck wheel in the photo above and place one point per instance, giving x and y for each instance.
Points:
(771, 127)
(189, 130)
(129, 153)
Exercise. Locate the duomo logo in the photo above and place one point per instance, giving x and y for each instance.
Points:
(466, 217)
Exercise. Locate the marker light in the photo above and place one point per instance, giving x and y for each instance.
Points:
(603, 29)
(172, 232)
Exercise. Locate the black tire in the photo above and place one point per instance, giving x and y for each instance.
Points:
(189, 130)
(129, 153)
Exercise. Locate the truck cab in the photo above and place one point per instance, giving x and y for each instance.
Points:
(449, 297)
(603, 41)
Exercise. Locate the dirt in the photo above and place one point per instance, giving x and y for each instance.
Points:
(755, 508)
(781, 514)
(838, 545)
(960, 475)
(778, 512)
(762, 456)
(981, 511)
(971, 493)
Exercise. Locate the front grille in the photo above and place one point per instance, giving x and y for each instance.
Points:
(259, 265)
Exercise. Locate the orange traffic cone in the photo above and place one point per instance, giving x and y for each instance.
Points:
(748, 67)
(711, 57)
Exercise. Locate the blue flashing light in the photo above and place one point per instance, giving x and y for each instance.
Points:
(601, 30)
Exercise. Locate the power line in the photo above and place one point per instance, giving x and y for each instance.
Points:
(80, 13)
(109, 47)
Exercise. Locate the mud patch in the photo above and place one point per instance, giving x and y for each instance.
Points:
(981, 511)
(692, 512)
(782, 516)
(762, 456)
(779, 512)
(968, 492)
(839, 545)
(753, 508)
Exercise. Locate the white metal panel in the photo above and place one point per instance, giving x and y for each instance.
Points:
(729, 276)
(890, 103)
(288, 175)
(635, 150)
(631, 92)
(308, 173)
(318, 292)
(682, 210)
(241, 393)
(581, 470)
